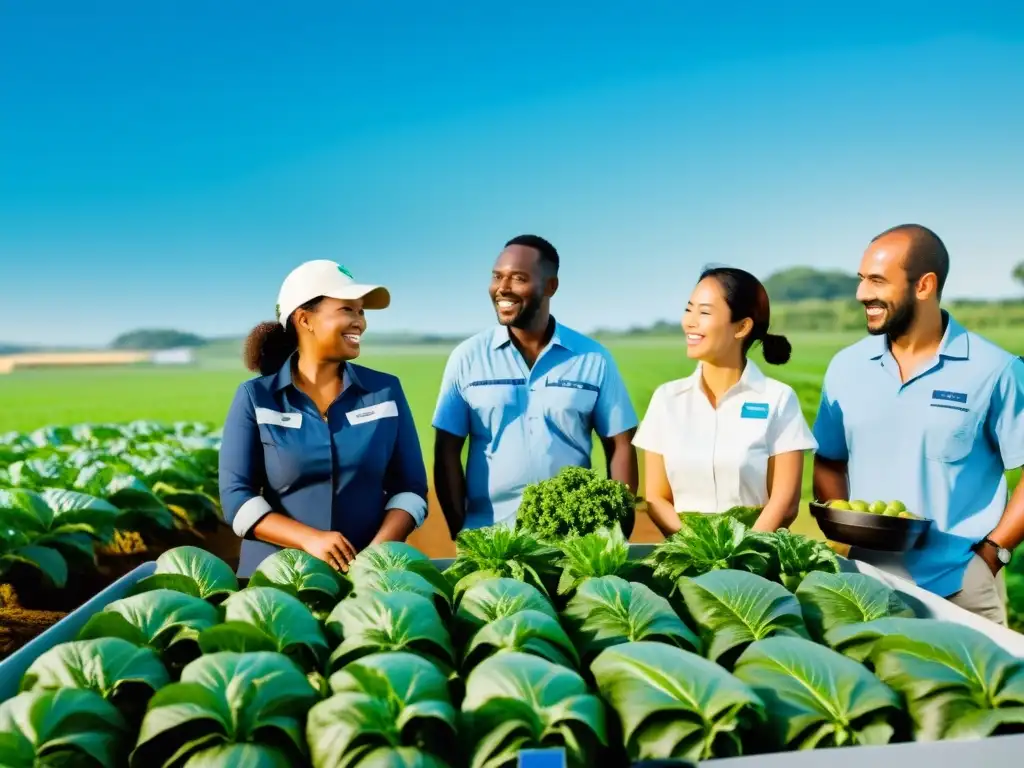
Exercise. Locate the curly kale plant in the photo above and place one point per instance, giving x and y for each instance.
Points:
(574, 502)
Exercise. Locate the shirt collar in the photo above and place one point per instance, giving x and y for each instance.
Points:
(501, 337)
(283, 377)
(752, 379)
(955, 344)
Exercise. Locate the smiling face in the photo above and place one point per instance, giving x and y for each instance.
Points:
(889, 298)
(333, 330)
(711, 335)
(520, 286)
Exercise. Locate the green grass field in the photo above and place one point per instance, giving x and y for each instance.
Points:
(35, 398)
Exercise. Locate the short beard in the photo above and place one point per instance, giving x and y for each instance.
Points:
(898, 321)
(527, 315)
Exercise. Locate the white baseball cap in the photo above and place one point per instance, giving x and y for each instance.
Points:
(322, 277)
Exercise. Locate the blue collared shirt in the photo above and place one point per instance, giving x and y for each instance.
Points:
(940, 443)
(341, 473)
(524, 425)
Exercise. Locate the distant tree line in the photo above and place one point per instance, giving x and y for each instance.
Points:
(158, 338)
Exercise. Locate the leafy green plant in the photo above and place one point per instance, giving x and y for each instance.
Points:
(268, 619)
(61, 727)
(259, 698)
(193, 571)
(517, 701)
(735, 608)
(483, 553)
(124, 674)
(709, 543)
(385, 700)
(575, 502)
(829, 600)
(527, 631)
(399, 556)
(957, 683)
(795, 556)
(673, 704)
(140, 507)
(303, 576)
(389, 621)
(46, 528)
(165, 620)
(817, 698)
(393, 580)
(609, 611)
(604, 552)
(491, 599)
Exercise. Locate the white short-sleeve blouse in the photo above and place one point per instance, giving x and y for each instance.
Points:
(717, 458)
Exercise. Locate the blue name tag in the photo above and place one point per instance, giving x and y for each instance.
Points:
(572, 384)
(754, 411)
(950, 397)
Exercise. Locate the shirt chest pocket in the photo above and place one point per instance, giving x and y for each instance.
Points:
(950, 434)
(290, 455)
(573, 398)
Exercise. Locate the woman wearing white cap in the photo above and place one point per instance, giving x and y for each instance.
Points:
(318, 453)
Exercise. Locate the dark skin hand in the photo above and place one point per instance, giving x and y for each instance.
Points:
(830, 482)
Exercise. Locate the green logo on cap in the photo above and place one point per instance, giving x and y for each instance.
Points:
(277, 311)
(345, 272)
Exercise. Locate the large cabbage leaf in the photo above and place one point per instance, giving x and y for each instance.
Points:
(817, 698)
(392, 699)
(301, 575)
(389, 621)
(516, 701)
(165, 620)
(490, 599)
(957, 682)
(393, 580)
(532, 632)
(831, 599)
(61, 727)
(223, 698)
(607, 611)
(735, 608)
(399, 556)
(122, 673)
(673, 704)
(268, 619)
(191, 570)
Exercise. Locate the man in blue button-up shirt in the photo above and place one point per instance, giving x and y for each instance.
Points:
(927, 413)
(529, 395)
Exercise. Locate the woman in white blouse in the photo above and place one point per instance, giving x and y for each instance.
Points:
(727, 435)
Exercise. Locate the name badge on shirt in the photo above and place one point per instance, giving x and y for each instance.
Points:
(278, 419)
(754, 411)
(379, 411)
(949, 397)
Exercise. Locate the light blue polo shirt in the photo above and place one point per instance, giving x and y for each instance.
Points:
(525, 425)
(940, 443)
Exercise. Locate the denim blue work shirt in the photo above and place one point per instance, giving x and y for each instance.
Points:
(339, 473)
(940, 443)
(524, 425)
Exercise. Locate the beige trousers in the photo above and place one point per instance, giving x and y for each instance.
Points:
(982, 593)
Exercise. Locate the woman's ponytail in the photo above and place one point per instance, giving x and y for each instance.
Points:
(268, 346)
(776, 349)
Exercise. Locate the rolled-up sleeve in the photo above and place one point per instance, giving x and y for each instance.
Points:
(1006, 415)
(406, 479)
(241, 470)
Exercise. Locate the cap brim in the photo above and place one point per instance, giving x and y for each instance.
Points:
(373, 296)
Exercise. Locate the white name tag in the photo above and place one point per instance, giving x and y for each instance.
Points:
(278, 419)
(386, 410)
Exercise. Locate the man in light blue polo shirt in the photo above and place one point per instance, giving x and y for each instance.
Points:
(930, 414)
(529, 394)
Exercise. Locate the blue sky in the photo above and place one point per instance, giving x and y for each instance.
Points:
(164, 164)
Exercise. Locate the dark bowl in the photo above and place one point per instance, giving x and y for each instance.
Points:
(868, 531)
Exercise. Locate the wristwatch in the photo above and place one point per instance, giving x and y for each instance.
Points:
(1002, 553)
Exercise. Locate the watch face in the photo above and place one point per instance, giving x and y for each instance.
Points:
(1003, 555)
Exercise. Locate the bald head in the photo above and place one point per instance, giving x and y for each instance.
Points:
(921, 252)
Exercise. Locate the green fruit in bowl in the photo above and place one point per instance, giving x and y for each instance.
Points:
(899, 505)
(859, 506)
(877, 507)
(906, 515)
(891, 511)
(839, 504)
